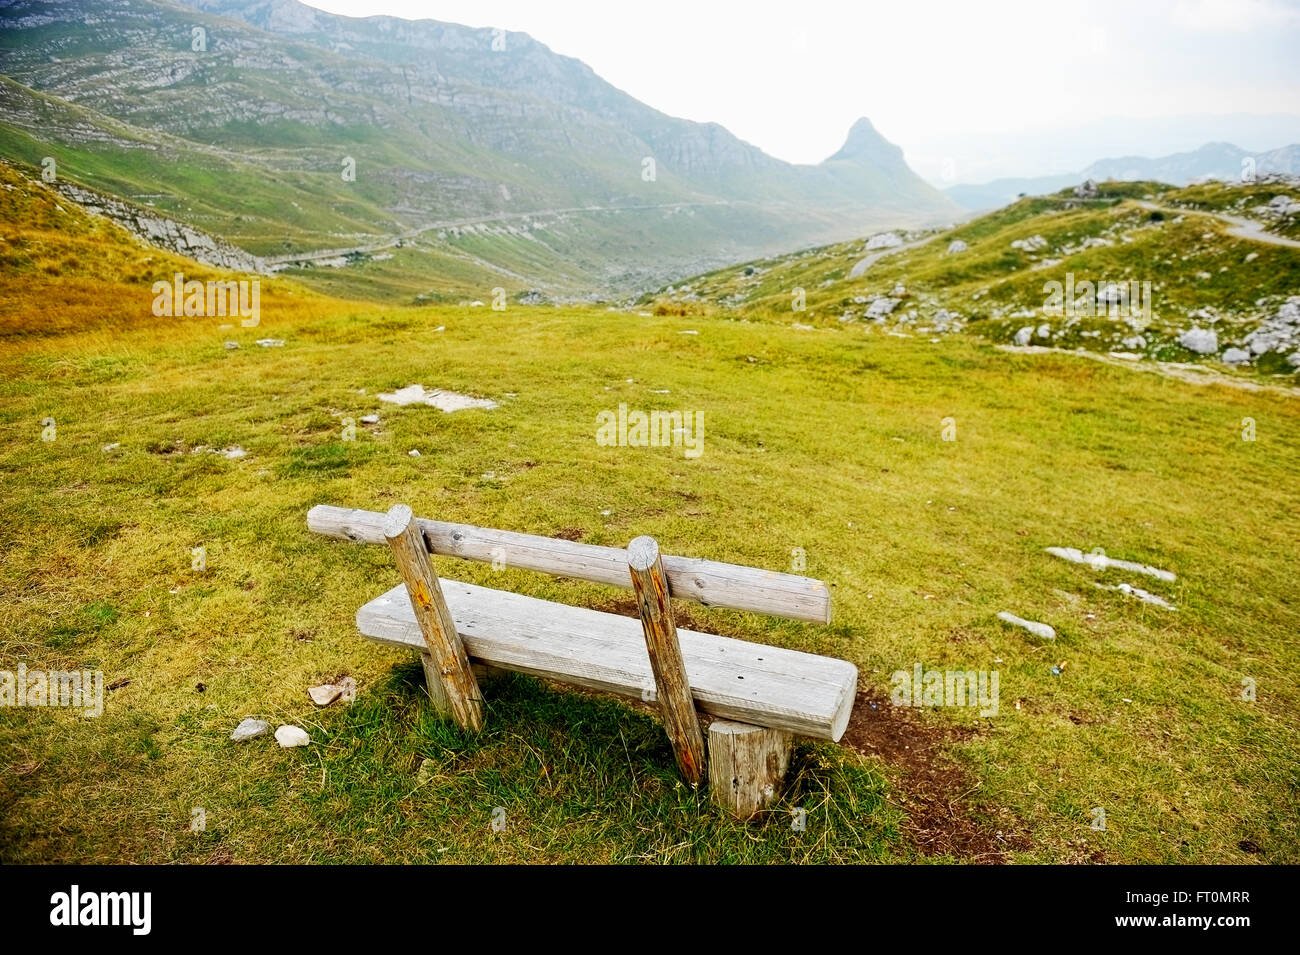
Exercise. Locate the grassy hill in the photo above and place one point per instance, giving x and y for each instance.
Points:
(829, 440)
(989, 276)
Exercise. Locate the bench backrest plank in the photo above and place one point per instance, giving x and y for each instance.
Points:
(708, 582)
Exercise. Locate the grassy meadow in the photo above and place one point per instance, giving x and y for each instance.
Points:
(831, 439)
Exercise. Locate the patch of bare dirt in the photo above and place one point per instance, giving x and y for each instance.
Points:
(932, 788)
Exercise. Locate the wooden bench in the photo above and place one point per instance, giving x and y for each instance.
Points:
(761, 696)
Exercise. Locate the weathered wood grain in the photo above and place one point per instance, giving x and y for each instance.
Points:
(676, 705)
(445, 659)
(767, 686)
(707, 582)
(747, 766)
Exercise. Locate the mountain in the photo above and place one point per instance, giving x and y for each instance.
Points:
(480, 157)
(1212, 161)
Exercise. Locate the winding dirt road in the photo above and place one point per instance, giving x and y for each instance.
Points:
(1240, 228)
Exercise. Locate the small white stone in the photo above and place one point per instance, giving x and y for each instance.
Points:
(1040, 630)
(291, 736)
(249, 728)
(325, 694)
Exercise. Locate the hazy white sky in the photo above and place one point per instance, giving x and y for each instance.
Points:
(970, 89)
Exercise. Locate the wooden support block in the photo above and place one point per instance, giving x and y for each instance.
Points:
(676, 704)
(446, 665)
(747, 765)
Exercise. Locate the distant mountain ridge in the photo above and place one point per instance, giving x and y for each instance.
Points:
(1222, 161)
(477, 148)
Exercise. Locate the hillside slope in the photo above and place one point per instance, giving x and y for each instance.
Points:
(1139, 270)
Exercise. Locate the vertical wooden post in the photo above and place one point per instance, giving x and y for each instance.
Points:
(675, 701)
(746, 766)
(452, 685)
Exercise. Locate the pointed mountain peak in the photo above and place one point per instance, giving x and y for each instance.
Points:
(864, 144)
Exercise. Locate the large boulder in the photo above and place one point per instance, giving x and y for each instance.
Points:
(1202, 341)
(881, 307)
(1033, 244)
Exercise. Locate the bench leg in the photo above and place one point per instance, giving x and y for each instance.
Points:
(446, 665)
(747, 765)
(483, 673)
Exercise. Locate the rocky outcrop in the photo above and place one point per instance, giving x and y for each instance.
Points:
(164, 233)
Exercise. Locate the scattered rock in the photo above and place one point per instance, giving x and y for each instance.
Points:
(230, 346)
(1235, 356)
(1202, 341)
(249, 728)
(1142, 595)
(1086, 190)
(1100, 561)
(1112, 294)
(957, 245)
(886, 240)
(1040, 630)
(881, 307)
(446, 401)
(1033, 244)
(325, 694)
(1044, 331)
(291, 736)
(1024, 336)
(109, 448)
(1283, 206)
(370, 419)
(271, 342)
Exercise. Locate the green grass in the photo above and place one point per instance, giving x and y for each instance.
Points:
(825, 441)
(828, 440)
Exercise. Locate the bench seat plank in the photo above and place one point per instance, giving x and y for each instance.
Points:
(803, 693)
